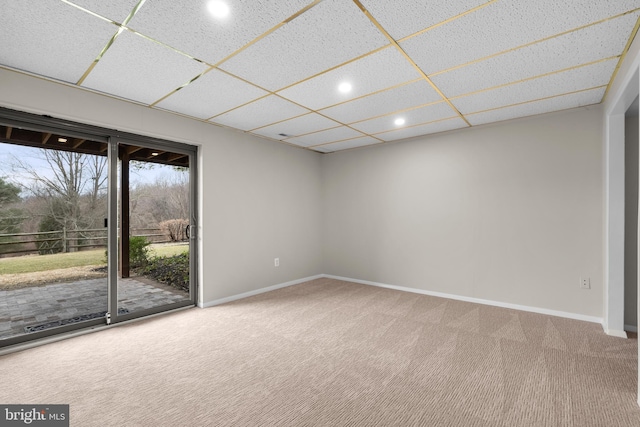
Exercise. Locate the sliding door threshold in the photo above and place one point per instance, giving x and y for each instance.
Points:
(88, 330)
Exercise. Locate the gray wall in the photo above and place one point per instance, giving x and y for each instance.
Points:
(259, 199)
(510, 212)
(631, 221)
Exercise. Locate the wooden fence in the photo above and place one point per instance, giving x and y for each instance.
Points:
(48, 242)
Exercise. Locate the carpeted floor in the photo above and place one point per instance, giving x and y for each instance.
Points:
(329, 353)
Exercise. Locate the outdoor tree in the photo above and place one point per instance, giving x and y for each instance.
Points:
(71, 185)
(11, 217)
(9, 193)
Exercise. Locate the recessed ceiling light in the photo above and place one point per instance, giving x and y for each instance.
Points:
(345, 87)
(63, 140)
(154, 154)
(218, 8)
(399, 121)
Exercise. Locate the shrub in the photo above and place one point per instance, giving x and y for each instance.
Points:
(175, 229)
(138, 251)
(172, 270)
(48, 245)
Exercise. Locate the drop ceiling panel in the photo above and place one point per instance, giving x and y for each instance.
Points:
(188, 26)
(442, 126)
(372, 73)
(345, 145)
(405, 17)
(326, 136)
(580, 47)
(214, 93)
(331, 33)
(143, 71)
(538, 107)
(389, 101)
(52, 39)
(503, 69)
(426, 114)
(504, 25)
(115, 10)
(587, 77)
(308, 123)
(260, 113)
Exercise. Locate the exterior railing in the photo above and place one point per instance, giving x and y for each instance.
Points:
(45, 242)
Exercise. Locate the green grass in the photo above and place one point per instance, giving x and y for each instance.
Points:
(167, 250)
(33, 263)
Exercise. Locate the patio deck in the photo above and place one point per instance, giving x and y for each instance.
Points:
(33, 306)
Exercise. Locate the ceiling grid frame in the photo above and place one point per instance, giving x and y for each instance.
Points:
(111, 41)
(537, 100)
(634, 32)
(538, 76)
(485, 58)
(411, 61)
(633, 5)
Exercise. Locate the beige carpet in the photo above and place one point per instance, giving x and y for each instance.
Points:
(334, 353)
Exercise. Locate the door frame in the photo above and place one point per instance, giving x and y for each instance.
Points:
(21, 119)
(113, 315)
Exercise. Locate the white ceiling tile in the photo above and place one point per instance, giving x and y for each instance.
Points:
(52, 39)
(587, 77)
(504, 25)
(574, 100)
(326, 136)
(188, 26)
(426, 114)
(210, 95)
(331, 33)
(260, 113)
(344, 145)
(389, 101)
(372, 73)
(308, 123)
(322, 149)
(402, 18)
(138, 69)
(116, 10)
(409, 132)
(580, 47)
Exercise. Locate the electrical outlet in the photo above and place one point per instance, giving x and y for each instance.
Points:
(276, 262)
(585, 283)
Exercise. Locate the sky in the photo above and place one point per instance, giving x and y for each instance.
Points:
(11, 154)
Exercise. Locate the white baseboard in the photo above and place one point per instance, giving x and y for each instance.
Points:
(615, 333)
(539, 310)
(631, 328)
(257, 291)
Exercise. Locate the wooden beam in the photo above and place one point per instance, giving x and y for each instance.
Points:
(133, 149)
(8, 133)
(175, 156)
(78, 143)
(45, 137)
(124, 216)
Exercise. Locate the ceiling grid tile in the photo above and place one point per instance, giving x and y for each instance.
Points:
(273, 69)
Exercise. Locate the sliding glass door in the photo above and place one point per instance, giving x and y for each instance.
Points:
(53, 205)
(155, 232)
(96, 226)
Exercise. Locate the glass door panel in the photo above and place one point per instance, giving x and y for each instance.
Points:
(53, 236)
(154, 224)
